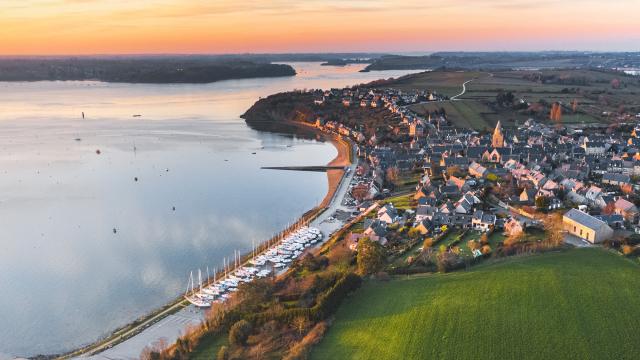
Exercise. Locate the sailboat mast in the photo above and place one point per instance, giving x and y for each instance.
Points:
(188, 284)
(193, 291)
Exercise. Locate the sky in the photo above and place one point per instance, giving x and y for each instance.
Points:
(59, 27)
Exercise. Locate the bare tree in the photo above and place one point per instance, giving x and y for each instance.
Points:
(300, 323)
(554, 229)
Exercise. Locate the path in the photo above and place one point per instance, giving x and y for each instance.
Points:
(168, 328)
(135, 332)
(464, 89)
(453, 98)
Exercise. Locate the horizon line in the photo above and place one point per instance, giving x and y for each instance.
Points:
(405, 53)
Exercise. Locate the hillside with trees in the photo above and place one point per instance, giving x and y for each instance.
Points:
(152, 70)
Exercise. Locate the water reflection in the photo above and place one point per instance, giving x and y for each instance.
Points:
(65, 276)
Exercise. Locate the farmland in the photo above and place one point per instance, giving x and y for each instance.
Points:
(578, 303)
(448, 83)
(464, 113)
(599, 96)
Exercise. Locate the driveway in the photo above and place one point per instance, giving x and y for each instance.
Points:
(576, 241)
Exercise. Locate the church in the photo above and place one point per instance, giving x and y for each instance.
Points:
(498, 137)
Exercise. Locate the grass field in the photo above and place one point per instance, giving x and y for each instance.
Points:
(208, 348)
(465, 113)
(594, 95)
(443, 82)
(577, 304)
(404, 202)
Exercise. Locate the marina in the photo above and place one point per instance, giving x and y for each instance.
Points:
(274, 260)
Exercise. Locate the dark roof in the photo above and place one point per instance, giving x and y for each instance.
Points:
(585, 219)
(616, 177)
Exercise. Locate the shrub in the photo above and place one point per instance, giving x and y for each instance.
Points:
(633, 239)
(484, 239)
(328, 303)
(413, 233)
(301, 349)
(371, 256)
(486, 249)
(473, 245)
(313, 263)
(223, 353)
(383, 276)
(239, 332)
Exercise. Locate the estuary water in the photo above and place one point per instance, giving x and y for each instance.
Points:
(102, 218)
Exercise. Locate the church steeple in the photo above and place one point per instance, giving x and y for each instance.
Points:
(498, 138)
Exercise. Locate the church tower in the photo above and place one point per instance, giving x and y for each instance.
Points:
(498, 138)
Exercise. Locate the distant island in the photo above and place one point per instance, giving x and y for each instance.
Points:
(344, 62)
(150, 70)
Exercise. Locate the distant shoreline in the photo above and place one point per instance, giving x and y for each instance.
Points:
(138, 71)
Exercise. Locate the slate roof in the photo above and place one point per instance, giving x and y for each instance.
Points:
(616, 178)
(585, 219)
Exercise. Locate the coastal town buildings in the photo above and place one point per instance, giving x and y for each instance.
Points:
(476, 181)
(586, 227)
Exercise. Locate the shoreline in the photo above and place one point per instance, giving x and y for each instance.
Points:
(343, 158)
(334, 178)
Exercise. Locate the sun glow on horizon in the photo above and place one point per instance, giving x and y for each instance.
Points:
(54, 27)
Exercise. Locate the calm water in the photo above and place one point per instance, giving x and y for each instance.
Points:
(66, 278)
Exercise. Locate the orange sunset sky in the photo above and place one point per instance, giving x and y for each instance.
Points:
(54, 27)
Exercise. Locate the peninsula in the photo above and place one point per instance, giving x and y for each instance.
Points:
(456, 172)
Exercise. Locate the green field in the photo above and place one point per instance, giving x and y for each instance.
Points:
(591, 89)
(465, 113)
(576, 304)
(404, 202)
(443, 82)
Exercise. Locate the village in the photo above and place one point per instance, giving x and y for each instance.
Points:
(509, 181)
(425, 200)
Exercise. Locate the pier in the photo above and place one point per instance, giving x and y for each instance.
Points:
(305, 168)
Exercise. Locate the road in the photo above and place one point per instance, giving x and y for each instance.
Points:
(135, 333)
(322, 222)
(455, 97)
(464, 90)
(168, 328)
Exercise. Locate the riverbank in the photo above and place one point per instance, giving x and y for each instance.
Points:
(172, 319)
